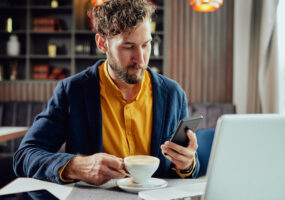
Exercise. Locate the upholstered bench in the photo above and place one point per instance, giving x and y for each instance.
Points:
(206, 130)
(14, 114)
(19, 113)
(211, 112)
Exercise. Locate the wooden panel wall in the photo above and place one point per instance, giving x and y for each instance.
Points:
(26, 91)
(200, 51)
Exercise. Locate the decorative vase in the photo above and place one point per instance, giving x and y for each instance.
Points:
(9, 25)
(156, 45)
(13, 46)
(54, 3)
(52, 50)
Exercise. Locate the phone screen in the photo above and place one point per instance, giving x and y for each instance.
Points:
(180, 136)
(30, 195)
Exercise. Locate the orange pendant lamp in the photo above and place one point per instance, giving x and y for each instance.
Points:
(97, 2)
(205, 5)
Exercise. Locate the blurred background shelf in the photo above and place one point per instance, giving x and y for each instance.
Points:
(63, 30)
(50, 32)
(58, 57)
(13, 32)
(13, 8)
(89, 57)
(49, 8)
(13, 57)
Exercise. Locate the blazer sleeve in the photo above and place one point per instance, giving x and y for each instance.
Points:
(185, 114)
(37, 156)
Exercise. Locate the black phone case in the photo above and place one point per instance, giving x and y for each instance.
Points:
(180, 136)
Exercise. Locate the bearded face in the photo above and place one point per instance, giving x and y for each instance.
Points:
(128, 54)
(131, 74)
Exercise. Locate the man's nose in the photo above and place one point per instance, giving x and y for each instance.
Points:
(139, 56)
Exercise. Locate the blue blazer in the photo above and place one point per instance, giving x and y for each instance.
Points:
(73, 115)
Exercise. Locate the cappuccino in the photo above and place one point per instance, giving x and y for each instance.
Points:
(141, 160)
(141, 167)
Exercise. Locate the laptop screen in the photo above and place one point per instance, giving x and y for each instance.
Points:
(248, 158)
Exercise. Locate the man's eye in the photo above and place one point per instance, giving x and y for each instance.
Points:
(128, 47)
(147, 44)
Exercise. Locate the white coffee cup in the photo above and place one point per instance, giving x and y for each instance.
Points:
(141, 167)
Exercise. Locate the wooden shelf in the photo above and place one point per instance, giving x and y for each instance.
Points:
(158, 33)
(15, 8)
(50, 8)
(13, 57)
(156, 57)
(84, 32)
(88, 57)
(58, 57)
(13, 32)
(159, 8)
(50, 32)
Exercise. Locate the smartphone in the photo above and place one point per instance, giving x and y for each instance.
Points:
(30, 195)
(180, 136)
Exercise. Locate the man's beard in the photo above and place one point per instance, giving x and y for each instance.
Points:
(123, 75)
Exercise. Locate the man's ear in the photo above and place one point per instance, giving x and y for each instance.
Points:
(101, 42)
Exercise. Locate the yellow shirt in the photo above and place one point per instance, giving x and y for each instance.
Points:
(127, 127)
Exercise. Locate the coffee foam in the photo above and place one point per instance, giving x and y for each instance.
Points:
(141, 160)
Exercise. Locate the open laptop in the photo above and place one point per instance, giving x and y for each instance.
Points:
(247, 161)
(248, 158)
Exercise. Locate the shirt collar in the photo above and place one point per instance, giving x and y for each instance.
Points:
(110, 83)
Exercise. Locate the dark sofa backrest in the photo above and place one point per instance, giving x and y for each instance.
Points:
(23, 113)
(211, 112)
(19, 113)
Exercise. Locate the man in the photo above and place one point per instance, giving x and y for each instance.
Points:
(114, 109)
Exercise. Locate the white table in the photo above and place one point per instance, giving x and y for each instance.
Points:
(11, 132)
(63, 191)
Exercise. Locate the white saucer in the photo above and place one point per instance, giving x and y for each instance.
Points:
(128, 185)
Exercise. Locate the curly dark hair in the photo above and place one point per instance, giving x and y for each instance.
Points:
(117, 16)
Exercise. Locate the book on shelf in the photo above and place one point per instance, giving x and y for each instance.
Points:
(58, 74)
(41, 68)
(46, 24)
(45, 72)
(41, 71)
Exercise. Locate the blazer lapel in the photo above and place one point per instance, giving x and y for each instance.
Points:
(93, 110)
(159, 106)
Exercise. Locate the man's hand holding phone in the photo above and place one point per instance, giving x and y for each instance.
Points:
(182, 157)
(181, 148)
